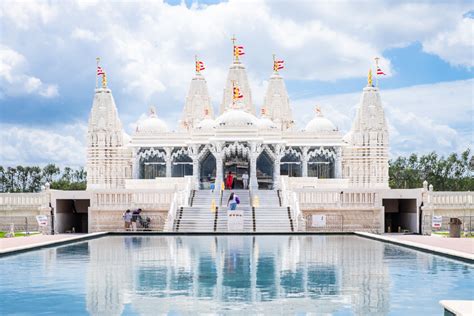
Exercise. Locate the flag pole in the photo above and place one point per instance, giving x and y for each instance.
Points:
(96, 76)
(377, 72)
(274, 68)
(195, 64)
(236, 56)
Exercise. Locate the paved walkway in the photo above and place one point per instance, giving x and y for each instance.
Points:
(20, 243)
(458, 244)
(461, 248)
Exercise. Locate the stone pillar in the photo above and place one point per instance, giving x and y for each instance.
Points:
(304, 161)
(276, 173)
(196, 168)
(338, 163)
(253, 183)
(219, 170)
(135, 164)
(168, 162)
(196, 177)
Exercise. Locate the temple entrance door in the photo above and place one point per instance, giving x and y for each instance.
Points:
(264, 172)
(207, 171)
(238, 166)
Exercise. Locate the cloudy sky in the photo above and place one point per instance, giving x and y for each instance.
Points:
(48, 51)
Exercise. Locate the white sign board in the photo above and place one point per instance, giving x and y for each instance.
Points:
(235, 221)
(42, 220)
(318, 221)
(437, 221)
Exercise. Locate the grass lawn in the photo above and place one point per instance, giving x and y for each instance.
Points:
(446, 234)
(18, 234)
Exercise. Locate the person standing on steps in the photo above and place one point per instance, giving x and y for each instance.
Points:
(232, 202)
(229, 180)
(245, 180)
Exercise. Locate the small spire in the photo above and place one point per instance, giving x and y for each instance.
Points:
(152, 110)
(369, 79)
(97, 76)
(318, 110)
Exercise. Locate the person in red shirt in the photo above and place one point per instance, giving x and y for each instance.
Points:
(229, 180)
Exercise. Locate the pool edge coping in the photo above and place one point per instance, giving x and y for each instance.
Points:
(51, 243)
(453, 254)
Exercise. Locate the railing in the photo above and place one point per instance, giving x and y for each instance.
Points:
(294, 183)
(310, 198)
(10, 201)
(180, 198)
(449, 200)
(290, 198)
(126, 199)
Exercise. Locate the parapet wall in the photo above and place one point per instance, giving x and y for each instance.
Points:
(112, 221)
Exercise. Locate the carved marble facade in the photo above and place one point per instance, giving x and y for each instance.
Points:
(237, 140)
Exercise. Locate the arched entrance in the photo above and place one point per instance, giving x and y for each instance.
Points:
(321, 167)
(290, 164)
(236, 160)
(182, 164)
(264, 171)
(207, 169)
(152, 163)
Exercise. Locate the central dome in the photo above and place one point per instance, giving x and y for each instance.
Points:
(151, 125)
(236, 118)
(320, 124)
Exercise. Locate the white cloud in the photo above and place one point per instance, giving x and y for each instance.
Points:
(24, 14)
(63, 145)
(423, 118)
(455, 46)
(83, 34)
(15, 81)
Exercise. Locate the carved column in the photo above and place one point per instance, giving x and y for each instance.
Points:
(276, 173)
(217, 152)
(168, 162)
(304, 161)
(253, 183)
(338, 163)
(135, 164)
(195, 157)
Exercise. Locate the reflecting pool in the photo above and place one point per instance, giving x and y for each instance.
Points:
(272, 275)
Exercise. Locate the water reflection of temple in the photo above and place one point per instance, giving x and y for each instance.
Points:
(260, 274)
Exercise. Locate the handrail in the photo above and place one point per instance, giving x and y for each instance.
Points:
(180, 199)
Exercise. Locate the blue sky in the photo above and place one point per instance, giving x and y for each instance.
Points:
(47, 65)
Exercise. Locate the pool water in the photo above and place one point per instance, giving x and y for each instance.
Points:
(272, 275)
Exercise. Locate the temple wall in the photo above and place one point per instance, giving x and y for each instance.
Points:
(345, 220)
(111, 220)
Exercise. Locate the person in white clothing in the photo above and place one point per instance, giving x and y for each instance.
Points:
(245, 180)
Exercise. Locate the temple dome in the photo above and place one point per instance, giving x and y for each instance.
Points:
(206, 124)
(319, 124)
(236, 118)
(266, 124)
(151, 125)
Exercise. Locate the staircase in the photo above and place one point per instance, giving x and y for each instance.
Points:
(268, 216)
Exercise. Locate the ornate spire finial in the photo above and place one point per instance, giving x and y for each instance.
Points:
(277, 64)
(104, 81)
(237, 50)
(152, 110)
(369, 79)
(199, 65)
(97, 76)
(318, 110)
